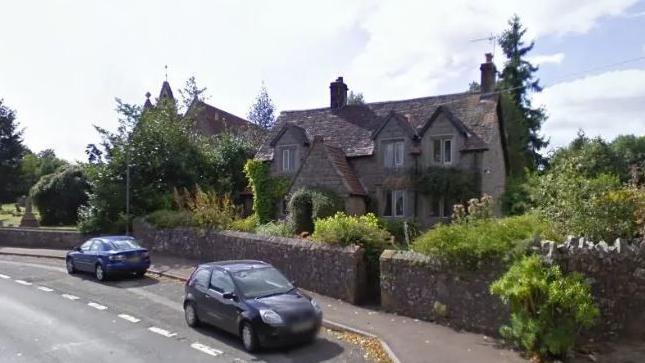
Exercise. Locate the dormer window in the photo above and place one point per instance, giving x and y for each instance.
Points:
(289, 159)
(442, 150)
(393, 154)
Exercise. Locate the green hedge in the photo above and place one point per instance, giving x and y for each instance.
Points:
(171, 219)
(306, 205)
(481, 240)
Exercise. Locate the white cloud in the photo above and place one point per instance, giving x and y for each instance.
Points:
(547, 58)
(606, 105)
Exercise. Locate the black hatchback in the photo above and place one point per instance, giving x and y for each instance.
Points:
(252, 300)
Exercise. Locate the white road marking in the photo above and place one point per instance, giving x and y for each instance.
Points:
(4, 276)
(206, 349)
(45, 288)
(23, 282)
(163, 332)
(70, 297)
(97, 306)
(129, 318)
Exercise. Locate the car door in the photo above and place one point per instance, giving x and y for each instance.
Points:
(199, 289)
(223, 310)
(81, 259)
(93, 254)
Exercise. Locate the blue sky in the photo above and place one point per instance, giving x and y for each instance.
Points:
(63, 62)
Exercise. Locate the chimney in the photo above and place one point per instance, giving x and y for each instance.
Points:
(489, 73)
(338, 91)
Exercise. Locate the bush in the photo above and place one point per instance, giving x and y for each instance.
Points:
(548, 308)
(267, 191)
(481, 240)
(58, 196)
(211, 210)
(477, 209)
(342, 229)
(170, 218)
(397, 228)
(282, 228)
(248, 224)
(599, 207)
(307, 205)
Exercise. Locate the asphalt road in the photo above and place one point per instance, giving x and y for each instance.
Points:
(47, 315)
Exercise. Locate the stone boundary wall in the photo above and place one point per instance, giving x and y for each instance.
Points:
(422, 287)
(40, 238)
(339, 272)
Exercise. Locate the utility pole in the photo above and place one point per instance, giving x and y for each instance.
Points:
(127, 189)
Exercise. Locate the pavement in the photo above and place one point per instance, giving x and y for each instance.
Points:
(406, 339)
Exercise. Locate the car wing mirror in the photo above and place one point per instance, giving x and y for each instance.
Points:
(77, 248)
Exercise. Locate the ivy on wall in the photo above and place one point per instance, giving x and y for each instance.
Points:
(267, 190)
(452, 183)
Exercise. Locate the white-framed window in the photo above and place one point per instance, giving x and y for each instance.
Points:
(441, 207)
(394, 203)
(393, 154)
(442, 150)
(288, 159)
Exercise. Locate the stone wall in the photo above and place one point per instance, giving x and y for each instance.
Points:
(40, 238)
(332, 271)
(423, 287)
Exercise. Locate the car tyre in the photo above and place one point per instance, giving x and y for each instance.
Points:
(190, 314)
(69, 263)
(249, 338)
(100, 273)
(139, 274)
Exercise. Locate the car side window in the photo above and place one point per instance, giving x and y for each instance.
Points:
(202, 276)
(86, 246)
(96, 246)
(221, 282)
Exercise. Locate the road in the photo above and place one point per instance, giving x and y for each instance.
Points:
(47, 315)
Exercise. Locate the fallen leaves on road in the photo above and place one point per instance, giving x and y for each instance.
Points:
(372, 348)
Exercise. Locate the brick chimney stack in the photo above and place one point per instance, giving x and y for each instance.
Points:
(338, 91)
(489, 75)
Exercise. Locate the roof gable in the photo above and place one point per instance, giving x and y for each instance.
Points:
(286, 127)
(212, 120)
(400, 120)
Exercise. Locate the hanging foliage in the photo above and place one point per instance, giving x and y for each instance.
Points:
(267, 191)
(453, 183)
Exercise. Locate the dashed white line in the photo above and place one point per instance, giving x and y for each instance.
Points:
(45, 288)
(4, 276)
(206, 349)
(163, 332)
(129, 318)
(70, 297)
(97, 306)
(23, 282)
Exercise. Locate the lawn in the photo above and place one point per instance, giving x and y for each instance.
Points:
(9, 217)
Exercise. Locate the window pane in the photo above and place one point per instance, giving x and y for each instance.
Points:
(201, 278)
(447, 151)
(389, 155)
(259, 282)
(285, 159)
(436, 207)
(398, 153)
(436, 151)
(292, 159)
(388, 203)
(221, 282)
(398, 202)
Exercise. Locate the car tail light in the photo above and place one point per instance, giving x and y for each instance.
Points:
(117, 258)
(145, 254)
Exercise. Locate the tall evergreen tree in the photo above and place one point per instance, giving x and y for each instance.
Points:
(262, 111)
(11, 153)
(190, 92)
(518, 77)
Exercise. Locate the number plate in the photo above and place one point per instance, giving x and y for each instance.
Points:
(302, 326)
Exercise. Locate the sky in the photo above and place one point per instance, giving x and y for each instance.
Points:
(63, 62)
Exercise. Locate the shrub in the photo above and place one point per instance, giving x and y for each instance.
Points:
(479, 240)
(451, 183)
(58, 196)
(307, 205)
(211, 211)
(548, 308)
(476, 209)
(342, 229)
(248, 224)
(170, 218)
(283, 228)
(599, 207)
(404, 231)
(267, 191)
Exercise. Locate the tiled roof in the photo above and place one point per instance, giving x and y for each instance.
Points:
(351, 127)
(339, 161)
(212, 120)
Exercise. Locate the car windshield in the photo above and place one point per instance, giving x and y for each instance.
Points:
(125, 244)
(260, 282)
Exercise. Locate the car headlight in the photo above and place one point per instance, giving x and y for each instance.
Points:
(316, 306)
(271, 317)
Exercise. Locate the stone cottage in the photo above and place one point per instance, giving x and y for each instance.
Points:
(369, 153)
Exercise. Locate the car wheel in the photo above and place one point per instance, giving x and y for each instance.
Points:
(70, 266)
(139, 274)
(99, 272)
(249, 338)
(191, 315)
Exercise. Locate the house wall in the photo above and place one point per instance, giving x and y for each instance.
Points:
(319, 173)
(494, 170)
(290, 138)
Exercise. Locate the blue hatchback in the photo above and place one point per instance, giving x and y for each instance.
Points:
(110, 255)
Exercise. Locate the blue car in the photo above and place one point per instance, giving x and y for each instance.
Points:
(108, 256)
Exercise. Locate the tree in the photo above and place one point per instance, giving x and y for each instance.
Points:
(262, 111)
(59, 195)
(518, 79)
(34, 166)
(11, 152)
(355, 98)
(474, 87)
(191, 92)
